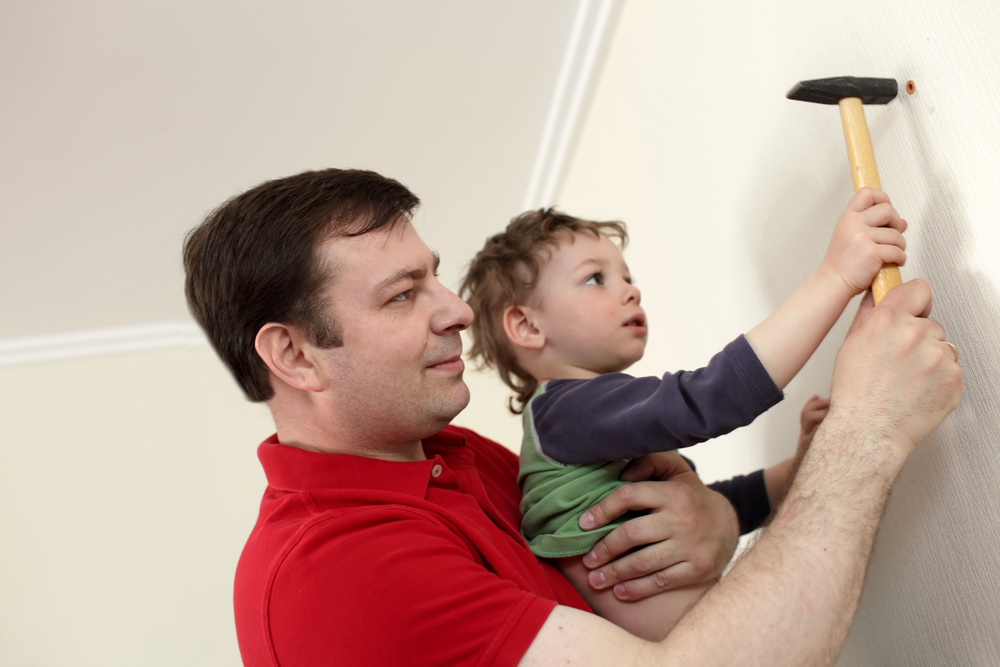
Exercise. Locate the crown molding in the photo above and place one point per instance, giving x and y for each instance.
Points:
(590, 38)
(100, 342)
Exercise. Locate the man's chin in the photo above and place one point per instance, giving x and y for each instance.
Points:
(460, 400)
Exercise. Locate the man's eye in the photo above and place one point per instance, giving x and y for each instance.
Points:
(402, 296)
(596, 279)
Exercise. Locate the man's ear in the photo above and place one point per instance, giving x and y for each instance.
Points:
(521, 330)
(288, 353)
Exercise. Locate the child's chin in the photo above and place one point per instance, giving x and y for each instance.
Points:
(627, 362)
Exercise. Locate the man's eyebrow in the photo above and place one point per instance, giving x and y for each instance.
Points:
(437, 261)
(411, 273)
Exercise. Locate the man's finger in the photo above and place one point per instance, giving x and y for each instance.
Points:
(669, 579)
(633, 533)
(867, 303)
(933, 328)
(912, 297)
(662, 466)
(642, 563)
(635, 496)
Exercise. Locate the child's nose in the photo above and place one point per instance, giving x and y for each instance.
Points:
(632, 294)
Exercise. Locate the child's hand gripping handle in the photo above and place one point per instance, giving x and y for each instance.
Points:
(859, 152)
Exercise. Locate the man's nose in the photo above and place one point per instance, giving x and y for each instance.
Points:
(453, 314)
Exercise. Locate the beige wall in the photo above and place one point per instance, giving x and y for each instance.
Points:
(128, 487)
(731, 192)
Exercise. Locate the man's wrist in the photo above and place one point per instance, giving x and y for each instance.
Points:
(850, 451)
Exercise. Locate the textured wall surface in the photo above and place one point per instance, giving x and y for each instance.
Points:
(731, 192)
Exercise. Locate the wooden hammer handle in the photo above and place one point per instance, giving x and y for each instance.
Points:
(865, 175)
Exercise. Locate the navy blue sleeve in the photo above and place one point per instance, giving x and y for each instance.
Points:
(617, 416)
(748, 495)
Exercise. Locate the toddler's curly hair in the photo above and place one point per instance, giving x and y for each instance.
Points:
(504, 274)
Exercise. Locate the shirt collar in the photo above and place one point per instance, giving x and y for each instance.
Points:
(293, 469)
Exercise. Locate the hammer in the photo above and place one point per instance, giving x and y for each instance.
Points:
(851, 93)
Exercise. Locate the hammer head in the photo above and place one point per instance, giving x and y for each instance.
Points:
(831, 91)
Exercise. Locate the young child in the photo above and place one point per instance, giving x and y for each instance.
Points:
(558, 316)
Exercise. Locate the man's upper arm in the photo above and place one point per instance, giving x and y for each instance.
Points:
(573, 637)
(407, 590)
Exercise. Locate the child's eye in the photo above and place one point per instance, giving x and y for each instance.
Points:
(402, 296)
(596, 279)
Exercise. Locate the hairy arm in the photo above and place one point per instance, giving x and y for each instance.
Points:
(779, 477)
(791, 599)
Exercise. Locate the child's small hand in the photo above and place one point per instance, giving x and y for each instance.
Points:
(813, 414)
(868, 234)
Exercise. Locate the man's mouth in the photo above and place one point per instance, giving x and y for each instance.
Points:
(453, 364)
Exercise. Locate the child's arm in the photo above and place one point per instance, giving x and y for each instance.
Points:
(779, 477)
(868, 234)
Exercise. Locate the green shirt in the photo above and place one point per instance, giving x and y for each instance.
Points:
(555, 494)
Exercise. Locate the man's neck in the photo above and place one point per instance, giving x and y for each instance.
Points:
(326, 443)
(298, 427)
(405, 452)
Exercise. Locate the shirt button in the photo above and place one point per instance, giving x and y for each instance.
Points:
(436, 470)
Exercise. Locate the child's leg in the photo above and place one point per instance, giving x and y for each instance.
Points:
(652, 618)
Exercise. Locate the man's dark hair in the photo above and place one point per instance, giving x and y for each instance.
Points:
(256, 260)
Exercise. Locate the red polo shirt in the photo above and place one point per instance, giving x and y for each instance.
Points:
(358, 561)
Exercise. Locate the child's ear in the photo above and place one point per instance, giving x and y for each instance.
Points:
(520, 328)
(288, 355)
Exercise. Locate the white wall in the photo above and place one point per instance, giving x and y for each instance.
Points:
(731, 191)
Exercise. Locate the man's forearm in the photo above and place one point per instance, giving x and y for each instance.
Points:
(791, 598)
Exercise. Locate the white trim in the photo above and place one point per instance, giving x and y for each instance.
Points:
(593, 27)
(588, 44)
(99, 342)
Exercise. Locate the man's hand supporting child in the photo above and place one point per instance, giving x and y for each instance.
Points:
(688, 549)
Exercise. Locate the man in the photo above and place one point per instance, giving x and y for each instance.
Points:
(388, 537)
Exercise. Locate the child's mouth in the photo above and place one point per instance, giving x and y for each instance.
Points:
(637, 323)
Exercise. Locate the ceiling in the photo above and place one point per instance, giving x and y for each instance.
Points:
(124, 123)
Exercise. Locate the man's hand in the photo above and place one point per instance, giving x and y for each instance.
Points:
(894, 375)
(869, 233)
(690, 529)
